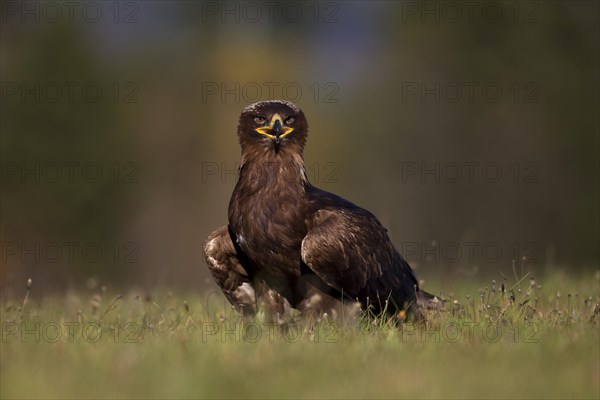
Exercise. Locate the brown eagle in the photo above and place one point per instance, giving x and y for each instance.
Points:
(288, 241)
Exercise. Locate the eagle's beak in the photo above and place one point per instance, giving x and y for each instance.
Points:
(276, 129)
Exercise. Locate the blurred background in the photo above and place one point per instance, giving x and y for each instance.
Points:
(469, 129)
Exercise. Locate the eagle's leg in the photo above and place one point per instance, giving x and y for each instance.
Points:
(276, 307)
(229, 273)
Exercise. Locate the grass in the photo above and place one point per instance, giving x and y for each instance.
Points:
(511, 338)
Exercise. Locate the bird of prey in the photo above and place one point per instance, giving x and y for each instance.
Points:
(288, 241)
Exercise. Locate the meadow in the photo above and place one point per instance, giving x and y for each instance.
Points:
(514, 337)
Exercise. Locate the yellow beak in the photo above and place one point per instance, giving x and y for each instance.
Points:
(275, 130)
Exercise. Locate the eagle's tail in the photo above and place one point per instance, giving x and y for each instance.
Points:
(428, 301)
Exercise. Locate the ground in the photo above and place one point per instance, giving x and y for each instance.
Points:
(535, 339)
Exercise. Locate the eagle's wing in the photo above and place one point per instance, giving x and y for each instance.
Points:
(350, 251)
(227, 267)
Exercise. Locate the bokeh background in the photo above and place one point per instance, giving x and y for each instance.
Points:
(471, 131)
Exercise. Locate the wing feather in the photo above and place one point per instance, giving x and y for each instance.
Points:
(350, 251)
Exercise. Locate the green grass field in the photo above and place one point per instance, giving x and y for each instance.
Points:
(529, 340)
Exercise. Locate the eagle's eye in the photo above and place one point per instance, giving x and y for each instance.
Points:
(260, 120)
(289, 121)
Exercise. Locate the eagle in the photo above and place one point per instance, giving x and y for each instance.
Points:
(288, 243)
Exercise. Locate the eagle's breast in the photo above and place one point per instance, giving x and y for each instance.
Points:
(266, 214)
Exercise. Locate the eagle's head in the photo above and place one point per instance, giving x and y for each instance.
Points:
(273, 125)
